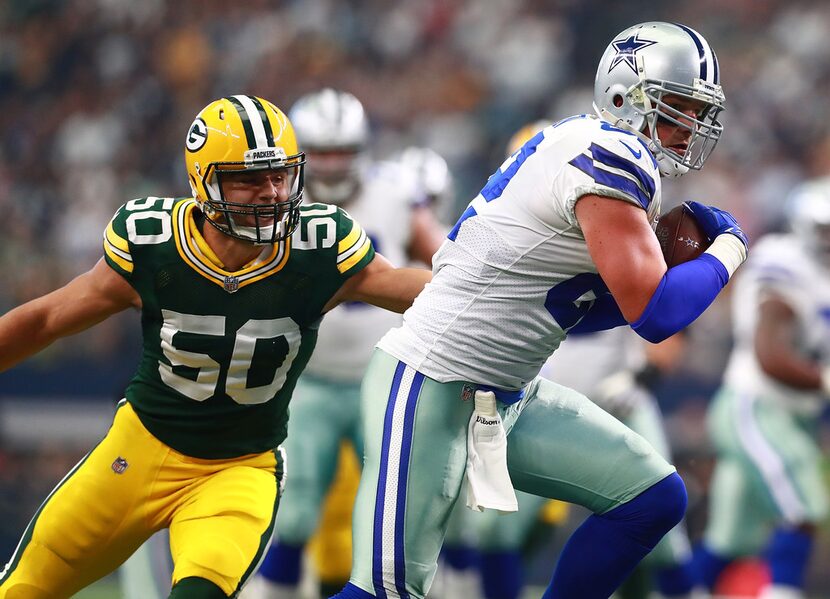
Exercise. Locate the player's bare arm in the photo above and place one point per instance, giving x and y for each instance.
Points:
(427, 235)
(775, 339)
(624, 249)
(383, 285)
(83, 302)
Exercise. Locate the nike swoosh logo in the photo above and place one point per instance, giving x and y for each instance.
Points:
(637, 153)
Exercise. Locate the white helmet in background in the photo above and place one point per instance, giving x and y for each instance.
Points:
(640, 67)
(332, 129)
(434, 177)
(808, 212)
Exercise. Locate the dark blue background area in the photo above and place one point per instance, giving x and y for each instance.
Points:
(72, 377)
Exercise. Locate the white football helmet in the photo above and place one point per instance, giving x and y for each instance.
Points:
(431, 169)
(640, 67)
(808, 211)
(333, 131)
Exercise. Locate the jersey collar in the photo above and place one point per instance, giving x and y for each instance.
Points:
(195, 251)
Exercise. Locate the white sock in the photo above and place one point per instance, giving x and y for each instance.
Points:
(778, 591)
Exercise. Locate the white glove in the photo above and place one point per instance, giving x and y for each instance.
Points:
(488, 482)
(618, 394)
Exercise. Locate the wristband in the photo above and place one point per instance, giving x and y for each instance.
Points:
(729, 250)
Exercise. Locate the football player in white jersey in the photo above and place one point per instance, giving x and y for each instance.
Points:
(560, 238)
(613, 368)
(768, 492)
(333, 130)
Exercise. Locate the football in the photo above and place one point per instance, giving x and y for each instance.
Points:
(680, 237)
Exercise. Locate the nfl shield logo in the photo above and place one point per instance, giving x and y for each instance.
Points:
(119, 465)
(467, 392)
(231, 284)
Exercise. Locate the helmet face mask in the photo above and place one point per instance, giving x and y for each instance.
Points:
(704, 129)
(333, 130)
(642, 70)
(261, 223)
(242, 135)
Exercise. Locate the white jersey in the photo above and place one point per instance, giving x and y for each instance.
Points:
(515, 274)
(583, 361)
(780, 265)
(349, 332)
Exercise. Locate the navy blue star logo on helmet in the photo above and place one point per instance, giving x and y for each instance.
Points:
(627, 49)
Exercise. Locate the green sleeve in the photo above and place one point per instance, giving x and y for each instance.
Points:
(354, 248)
(117, 250)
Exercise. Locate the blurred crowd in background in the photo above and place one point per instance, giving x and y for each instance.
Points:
(96, 97)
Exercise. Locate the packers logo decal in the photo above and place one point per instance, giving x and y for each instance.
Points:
(197, 136)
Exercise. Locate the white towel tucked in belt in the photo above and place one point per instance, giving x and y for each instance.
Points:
(488, 482)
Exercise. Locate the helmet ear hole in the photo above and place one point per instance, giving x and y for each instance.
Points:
(617, 100)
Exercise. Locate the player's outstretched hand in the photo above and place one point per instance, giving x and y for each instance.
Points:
(715, 221)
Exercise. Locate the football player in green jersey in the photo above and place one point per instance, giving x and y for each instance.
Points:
(231, 284)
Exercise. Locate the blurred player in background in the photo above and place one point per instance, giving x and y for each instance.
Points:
(389, 201)
(231, 285)
(559, 239)
(768, 493)
(435, 178)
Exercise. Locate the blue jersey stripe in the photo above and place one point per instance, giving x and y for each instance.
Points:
(470, 211)
(380, 495)
(403, 470)
(701, 52)
(612, 180)
(608, 158)
(498, 181)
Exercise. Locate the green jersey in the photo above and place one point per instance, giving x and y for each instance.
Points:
(223, 350)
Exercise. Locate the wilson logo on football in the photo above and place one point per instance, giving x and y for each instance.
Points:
(119, 465)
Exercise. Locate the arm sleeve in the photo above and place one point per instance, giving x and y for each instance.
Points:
(685, 291)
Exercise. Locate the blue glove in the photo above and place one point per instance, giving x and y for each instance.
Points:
(715, 221)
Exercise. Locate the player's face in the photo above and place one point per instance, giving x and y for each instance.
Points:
(257, 188)
(672, 135)
(331, 166)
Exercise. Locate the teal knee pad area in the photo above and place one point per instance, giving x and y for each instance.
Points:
(196, 588)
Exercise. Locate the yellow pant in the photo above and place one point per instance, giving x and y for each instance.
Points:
(220, 514)
(331, 546)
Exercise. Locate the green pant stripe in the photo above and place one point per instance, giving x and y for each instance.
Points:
(265, 539)
(27, 534)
